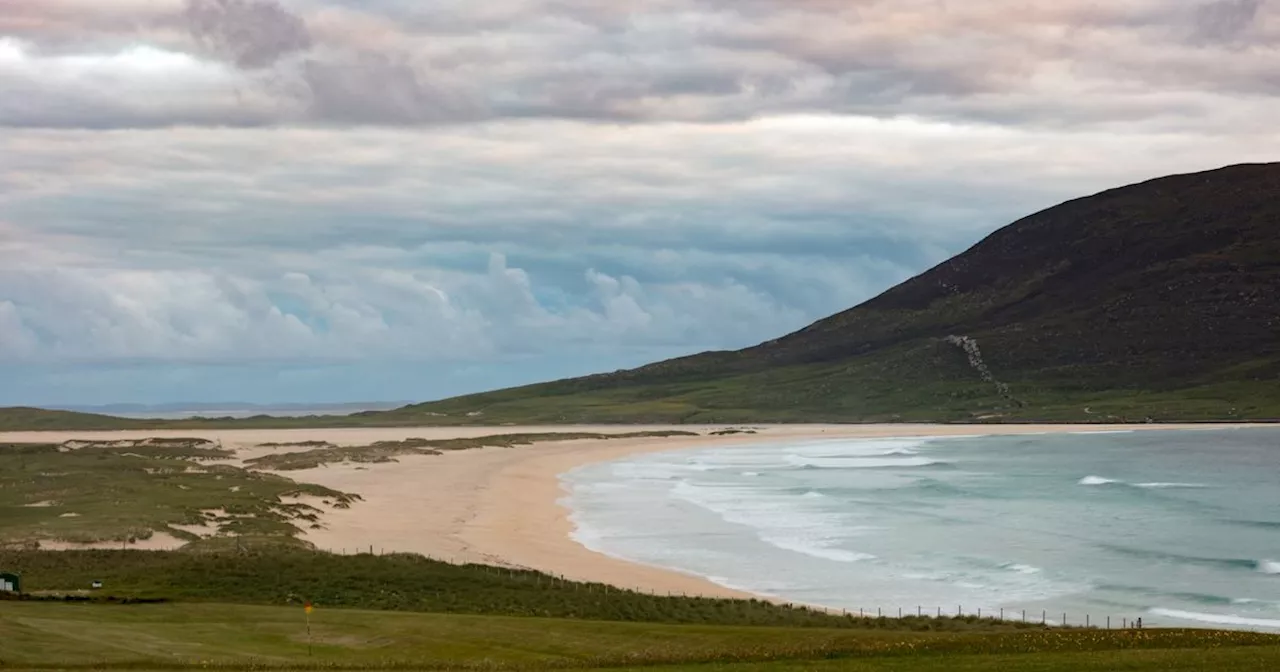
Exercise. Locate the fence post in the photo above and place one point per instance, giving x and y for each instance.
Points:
(1044, 618)
(899, 612)
(1086, 620)
(979, 613)
(878, 614)
(919, 611)
(959, 610)
(939, 612)
(1024, 615)
(1108, 622)
(1002, 614)
(1064, 619)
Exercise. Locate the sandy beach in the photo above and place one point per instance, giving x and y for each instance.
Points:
(502, 505)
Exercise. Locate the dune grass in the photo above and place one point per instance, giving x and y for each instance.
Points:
(319, 453)
(86, 492)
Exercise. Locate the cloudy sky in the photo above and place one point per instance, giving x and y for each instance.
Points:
(329, 200)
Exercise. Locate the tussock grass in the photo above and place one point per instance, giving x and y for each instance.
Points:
(89, 492)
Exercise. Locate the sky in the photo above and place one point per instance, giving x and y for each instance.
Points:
(331, 200)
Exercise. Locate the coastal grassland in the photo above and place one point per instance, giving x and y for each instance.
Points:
(242, 637)
(116, 491)
(319, 453)
(397, 582)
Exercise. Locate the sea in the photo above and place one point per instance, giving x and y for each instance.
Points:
(1178, 528)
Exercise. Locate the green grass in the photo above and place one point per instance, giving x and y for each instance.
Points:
(402, 582)
(186, 636)
(320, 452)
(116, 491)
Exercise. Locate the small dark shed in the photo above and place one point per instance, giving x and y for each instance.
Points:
(10, 583)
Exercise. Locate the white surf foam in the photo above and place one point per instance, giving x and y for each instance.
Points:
(859, 448)
(1157, 485)
(1269, 567)
(1250, 600)
(860, 462)
(1217, 619)
(815, 549)
(789, 522)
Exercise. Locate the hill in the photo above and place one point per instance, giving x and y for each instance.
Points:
(1152, 302)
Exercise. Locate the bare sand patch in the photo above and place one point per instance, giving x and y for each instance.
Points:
(159, 541)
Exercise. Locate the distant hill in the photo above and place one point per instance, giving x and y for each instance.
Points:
(230, 408)
(1157, 301)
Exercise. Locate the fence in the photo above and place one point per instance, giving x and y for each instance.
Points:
(1002, 615)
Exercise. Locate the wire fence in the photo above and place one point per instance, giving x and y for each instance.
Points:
(1004, 615)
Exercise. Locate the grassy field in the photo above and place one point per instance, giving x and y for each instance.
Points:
(222, 636)
(403, 582)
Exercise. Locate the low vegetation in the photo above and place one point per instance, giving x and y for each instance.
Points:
(122, 491)
(403, 582)
(239, 637)
(322, 453)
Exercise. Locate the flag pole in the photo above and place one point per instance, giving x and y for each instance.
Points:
(307, 609)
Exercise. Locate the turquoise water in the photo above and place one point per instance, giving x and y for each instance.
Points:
(1176, 527)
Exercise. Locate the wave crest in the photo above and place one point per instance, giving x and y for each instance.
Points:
(1156, 485)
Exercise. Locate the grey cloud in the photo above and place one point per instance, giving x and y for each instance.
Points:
(1225, 20)
(252, 33)
(375, 88)
(403, 64)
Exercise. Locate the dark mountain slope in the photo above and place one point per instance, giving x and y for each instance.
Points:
(1166, 292)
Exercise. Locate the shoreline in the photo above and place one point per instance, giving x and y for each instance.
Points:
(508, 527)
(504, 506)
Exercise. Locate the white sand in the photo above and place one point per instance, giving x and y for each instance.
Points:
(159, 541)
(500, 505)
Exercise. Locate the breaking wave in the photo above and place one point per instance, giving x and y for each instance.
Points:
(1217, 619)
(861, 462)
(1099, 480)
